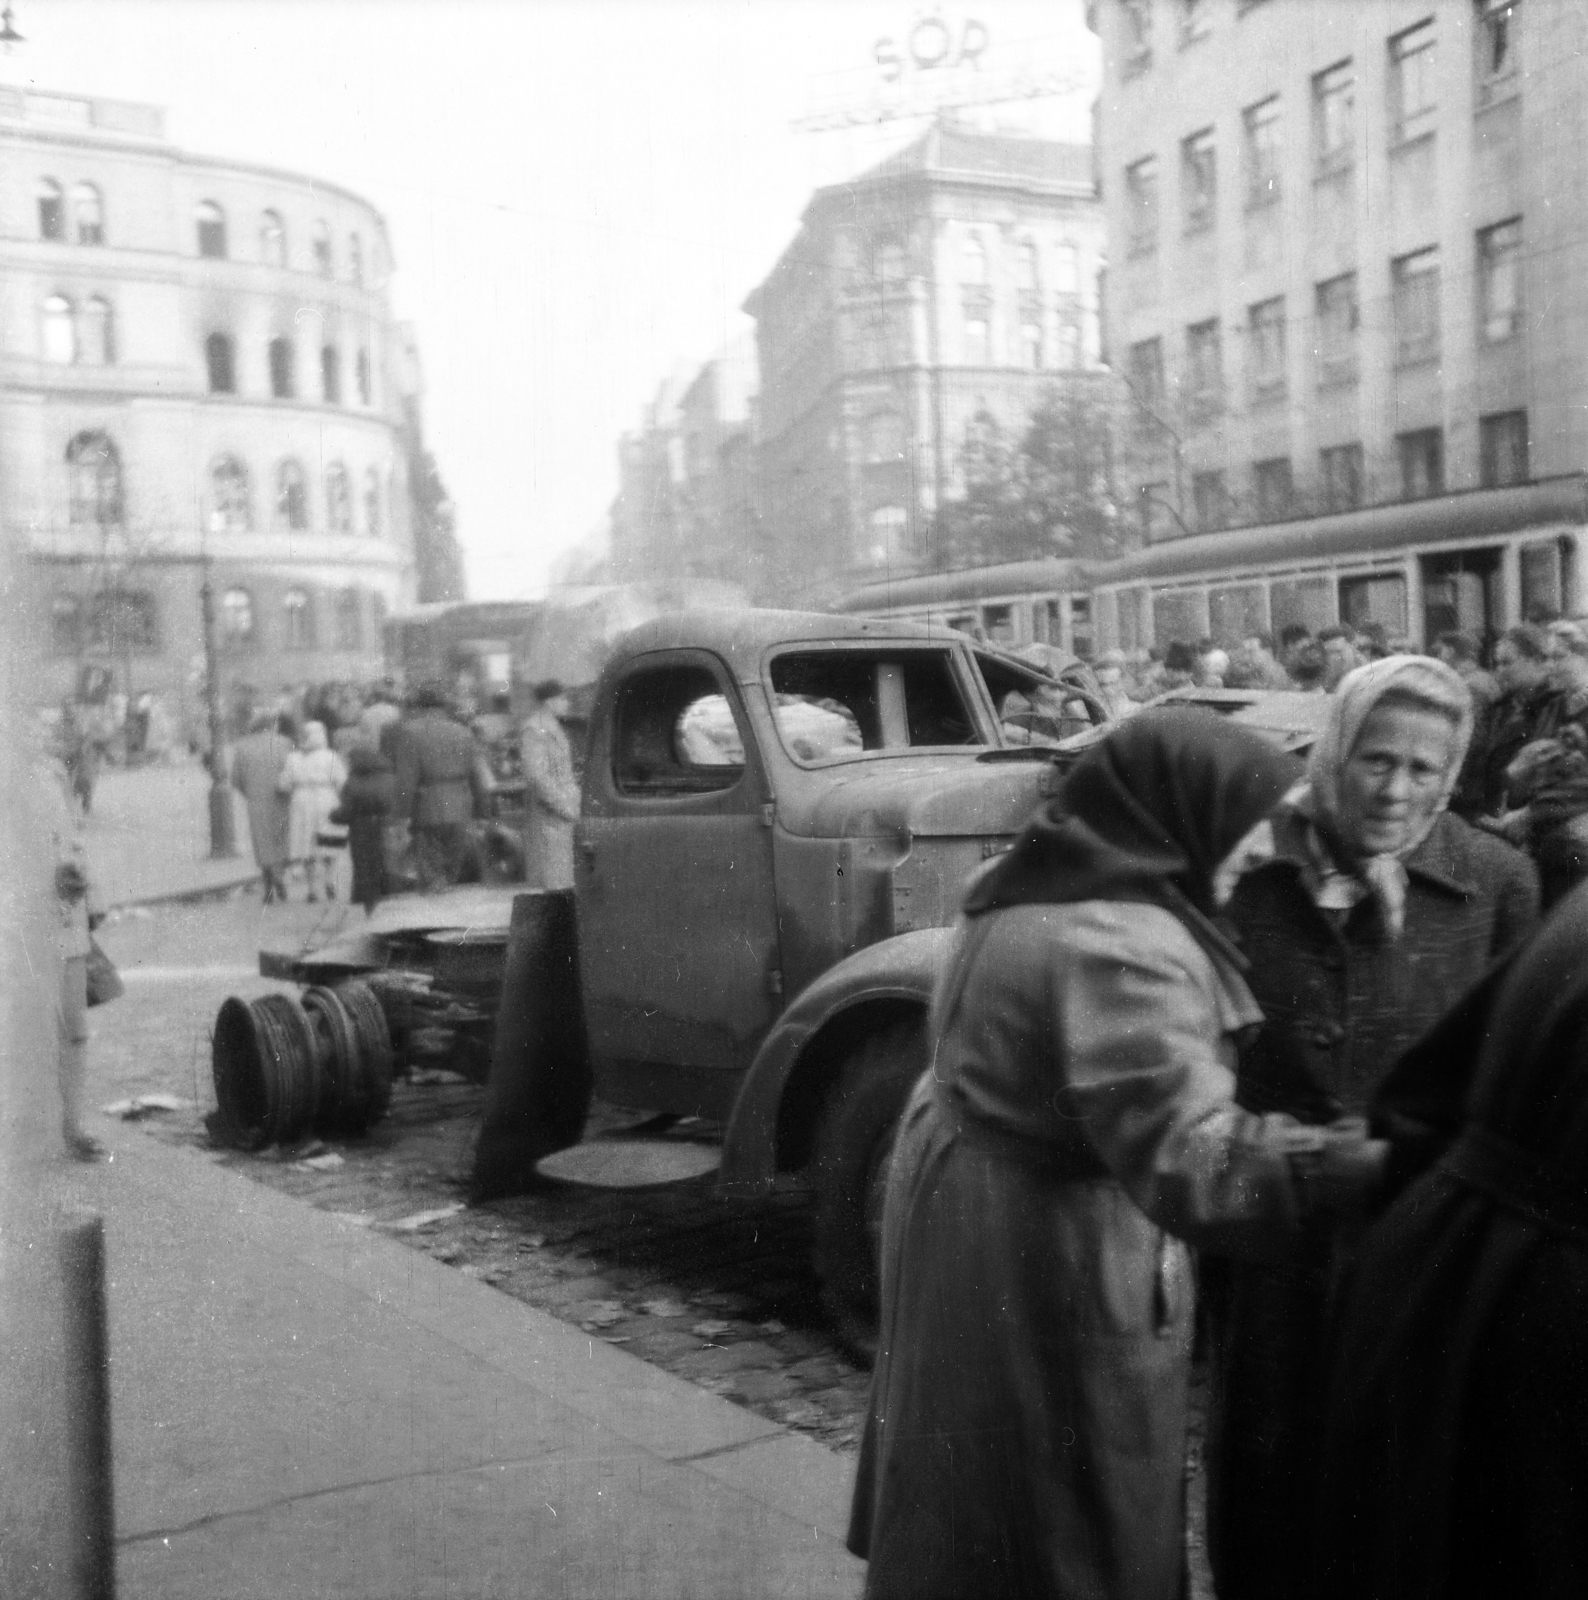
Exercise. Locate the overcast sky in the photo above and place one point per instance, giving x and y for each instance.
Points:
(580, 193)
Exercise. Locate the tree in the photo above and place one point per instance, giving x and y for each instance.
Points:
(438, 556)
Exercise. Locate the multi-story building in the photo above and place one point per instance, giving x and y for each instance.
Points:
(199, 376)
(954, 282)
(1349, 260)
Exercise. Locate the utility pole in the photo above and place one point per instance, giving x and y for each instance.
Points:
(223, 832)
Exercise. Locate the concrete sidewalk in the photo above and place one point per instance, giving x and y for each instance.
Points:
(303, 1407)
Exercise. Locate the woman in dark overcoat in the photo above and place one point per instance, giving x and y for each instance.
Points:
(1367, 910)
(1026, 1429)
(365, 806)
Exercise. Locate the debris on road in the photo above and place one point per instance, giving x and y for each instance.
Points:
(664, 1308)
(145, 1105)
(328, 1162)
(423, 1219)
(711, 1329)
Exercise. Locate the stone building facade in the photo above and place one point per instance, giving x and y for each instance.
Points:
(199, 373)
(1348, 256)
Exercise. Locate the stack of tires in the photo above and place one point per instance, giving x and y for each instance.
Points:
(284, 1067)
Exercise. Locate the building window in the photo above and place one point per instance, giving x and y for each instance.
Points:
(322, 248)
(1335, 309)
(1266, 347)
(60, 330)
(330, 375)
(883, 437)
(338, 499)
(1502, 449)
(361, 373)
(1333, 104)
(973, 260)
(220, 363)
(1204, 368)
(124, 622)
(1274, 490)
(1154, 508)
(977, 339)
(237, 617)
(298, 616)
(1031, 345)
(1027, 278)
(889, 529)
(93, 469)
(234, 506)
(1211, 499)
(88, 214)
(272, 239)
(1261, 126)
(1141, 191)
(349, 619)
(1138, 35)
(292, 497)
(283, 377)
(1199, 180)
(1195, 23)
(1146, 384)
(52, 210)
(372, 516)
(355, 259)
(1497, 50)
(1066, 261)
(1413, 91)
(1500, 281)
(211, 221)
(1341, 467)
(97, 345)
(1416, 287)
(1069, 351)
(1422, 456)
(66, 625)
(889, 264)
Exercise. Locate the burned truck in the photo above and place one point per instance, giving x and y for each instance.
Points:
(779, 813)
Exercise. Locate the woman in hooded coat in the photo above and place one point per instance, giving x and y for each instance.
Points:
(1454, 1462)
(1026, 1433)
(1367, 910)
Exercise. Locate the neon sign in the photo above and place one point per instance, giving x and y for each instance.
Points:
(932, 44)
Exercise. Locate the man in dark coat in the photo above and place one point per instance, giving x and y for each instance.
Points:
(441, 786)
(365, 805)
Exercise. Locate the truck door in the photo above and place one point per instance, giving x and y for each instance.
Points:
(677, 907)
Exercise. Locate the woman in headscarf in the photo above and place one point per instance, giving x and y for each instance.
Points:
(1367, 910)
(312, 776)
(1455, 1454)
(1026, 1434)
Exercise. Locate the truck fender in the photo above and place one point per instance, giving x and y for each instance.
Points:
(775, 1112)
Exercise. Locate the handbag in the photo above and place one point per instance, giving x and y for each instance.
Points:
(104, 982)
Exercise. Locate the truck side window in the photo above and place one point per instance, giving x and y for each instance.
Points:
(675, 734)
(831, 704)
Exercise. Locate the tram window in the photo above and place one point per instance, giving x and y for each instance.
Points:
(1380, 598)
(1235, 612)
(1541, 585)
(999, 621)
(1080, 627)
(1309, 601)
(1132, 605)
(965, 622)
(1461, 592)
(1176, 616)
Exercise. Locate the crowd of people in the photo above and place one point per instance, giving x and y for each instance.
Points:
(1284, 1054)
(422, 789)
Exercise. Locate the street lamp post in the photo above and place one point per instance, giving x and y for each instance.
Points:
(223, 831)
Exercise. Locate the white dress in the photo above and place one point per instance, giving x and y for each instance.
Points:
(314, 779)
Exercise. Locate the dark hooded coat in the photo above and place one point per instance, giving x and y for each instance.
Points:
(368, 800)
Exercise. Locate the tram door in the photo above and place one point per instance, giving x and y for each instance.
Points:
(1461, 593)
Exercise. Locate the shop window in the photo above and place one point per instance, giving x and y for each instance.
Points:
(88, 214)
(283, 377)
(52, 210)
(93, 470)
(272, 239)
(220, 364)
(338, 499)
(233, 502)
(60, 330)
(1502, 449)
(292, 497)
(211, 223)
(237, 618)
(298, 617)
(330, 375)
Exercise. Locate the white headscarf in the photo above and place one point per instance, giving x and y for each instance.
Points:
(314, 736)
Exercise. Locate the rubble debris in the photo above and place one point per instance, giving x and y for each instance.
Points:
(145, 1105)
(423, 1219)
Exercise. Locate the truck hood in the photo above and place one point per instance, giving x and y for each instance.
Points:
(950, 796)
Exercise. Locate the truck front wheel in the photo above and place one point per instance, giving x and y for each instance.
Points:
(854, 1140)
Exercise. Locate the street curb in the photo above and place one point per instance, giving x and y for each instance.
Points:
(191, 896)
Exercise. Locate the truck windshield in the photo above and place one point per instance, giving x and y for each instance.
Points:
(832, 705)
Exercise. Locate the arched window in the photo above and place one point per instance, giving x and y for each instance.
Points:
(52, 210)
(372, 516)
(338, 499)
(237, 617)
(60, 330)
(355, 259)
(292, 497)
(97, 341)
(890, 529)
(88, 214)
(349, 620)
(124, 622)
(361, 367)
(93, 470)
(1026, 266)
(973, 260)
(220, 364)
(66, 625)
(884, 436)
(234, 506)
(283, 374)
(211, 222)
(272, 239)
(298, 615)
(331, 375)
(322, 248)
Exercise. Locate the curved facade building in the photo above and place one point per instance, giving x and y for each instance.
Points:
(199, 373)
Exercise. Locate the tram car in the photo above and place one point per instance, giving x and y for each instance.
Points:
(1479, 561)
